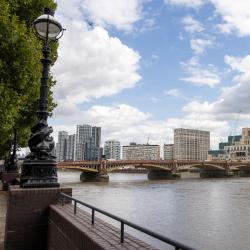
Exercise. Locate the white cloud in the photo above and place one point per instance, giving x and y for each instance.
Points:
(192, 25)
(173, 92)
(233, 100)
(235, 16)
(200, 76)
(200, 45)
(127, 123)
(119, 13)
(92, 64)
(148, 24)
(119, 121)
(186, 3)
(197, 107)
(238, 63)
(237, 97)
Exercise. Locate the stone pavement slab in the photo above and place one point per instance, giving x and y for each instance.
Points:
(105, 236)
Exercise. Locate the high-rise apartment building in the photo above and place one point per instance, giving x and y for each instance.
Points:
(88, 142)
(70, 150)
(168, 151)
(84, 145)
(83, 135)
(92, 148)
(61, 145)
(191, 144)
(141, 152)
(112, 149)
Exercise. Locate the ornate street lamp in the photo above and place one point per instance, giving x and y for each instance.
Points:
(40, 167)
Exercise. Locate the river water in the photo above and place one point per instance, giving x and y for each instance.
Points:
(207, 214)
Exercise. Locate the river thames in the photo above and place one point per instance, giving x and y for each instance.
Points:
(207, 214)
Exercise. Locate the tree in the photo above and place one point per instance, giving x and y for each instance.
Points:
(20, 69)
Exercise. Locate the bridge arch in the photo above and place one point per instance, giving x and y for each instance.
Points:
(142, 165)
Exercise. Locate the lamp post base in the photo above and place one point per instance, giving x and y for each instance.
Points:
(39, 174)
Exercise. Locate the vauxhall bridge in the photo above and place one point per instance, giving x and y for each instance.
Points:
(158, 169)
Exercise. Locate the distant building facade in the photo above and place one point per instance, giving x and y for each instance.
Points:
(71, 146)
(112, 149)
(83, 135)
(216, 155)
(84, 145)
(92, 146)
(220, 154)
(168, 151)
(232, 139)
(141, 152)
(191, 144)
(61, 146)
(240, 150)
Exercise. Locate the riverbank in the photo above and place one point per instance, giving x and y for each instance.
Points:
(3, 206)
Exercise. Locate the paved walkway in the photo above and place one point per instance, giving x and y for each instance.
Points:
(3, 205)
(104, 234)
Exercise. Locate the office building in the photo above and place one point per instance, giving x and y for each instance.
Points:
(92, 147)
(70, 148)
(216, 155)
(191, 144)
(141, 152)
(88, 141)
(83, 135)
(168, 151)
(240, 150)
(112, 149)
(220, 154)
(61, 145)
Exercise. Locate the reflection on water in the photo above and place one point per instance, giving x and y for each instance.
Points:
(205, 214)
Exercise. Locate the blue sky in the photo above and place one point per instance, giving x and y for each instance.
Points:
(146, 67)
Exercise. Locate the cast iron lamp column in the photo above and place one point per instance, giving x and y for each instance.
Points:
(40, 167)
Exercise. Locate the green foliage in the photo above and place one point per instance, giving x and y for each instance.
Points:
(20, 69)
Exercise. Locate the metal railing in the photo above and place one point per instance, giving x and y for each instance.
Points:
(175, 244)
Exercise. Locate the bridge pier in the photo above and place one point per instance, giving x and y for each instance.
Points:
(162, 175)
(243, 173)
(101, 176)
(204, 173)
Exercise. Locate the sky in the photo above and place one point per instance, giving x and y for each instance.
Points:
(141, 68)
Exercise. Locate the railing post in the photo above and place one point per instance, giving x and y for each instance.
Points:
(74, 207)
(63, 200)
(122, 232)
(93, 216)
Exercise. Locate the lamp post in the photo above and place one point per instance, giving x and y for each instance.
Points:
(40, 167)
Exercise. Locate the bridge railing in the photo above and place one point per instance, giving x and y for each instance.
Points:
(175, 244)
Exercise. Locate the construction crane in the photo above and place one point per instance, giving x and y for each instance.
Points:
(235, 126)
(233, 133)
(148, 138)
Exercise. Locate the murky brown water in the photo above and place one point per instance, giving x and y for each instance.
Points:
(205, 214)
